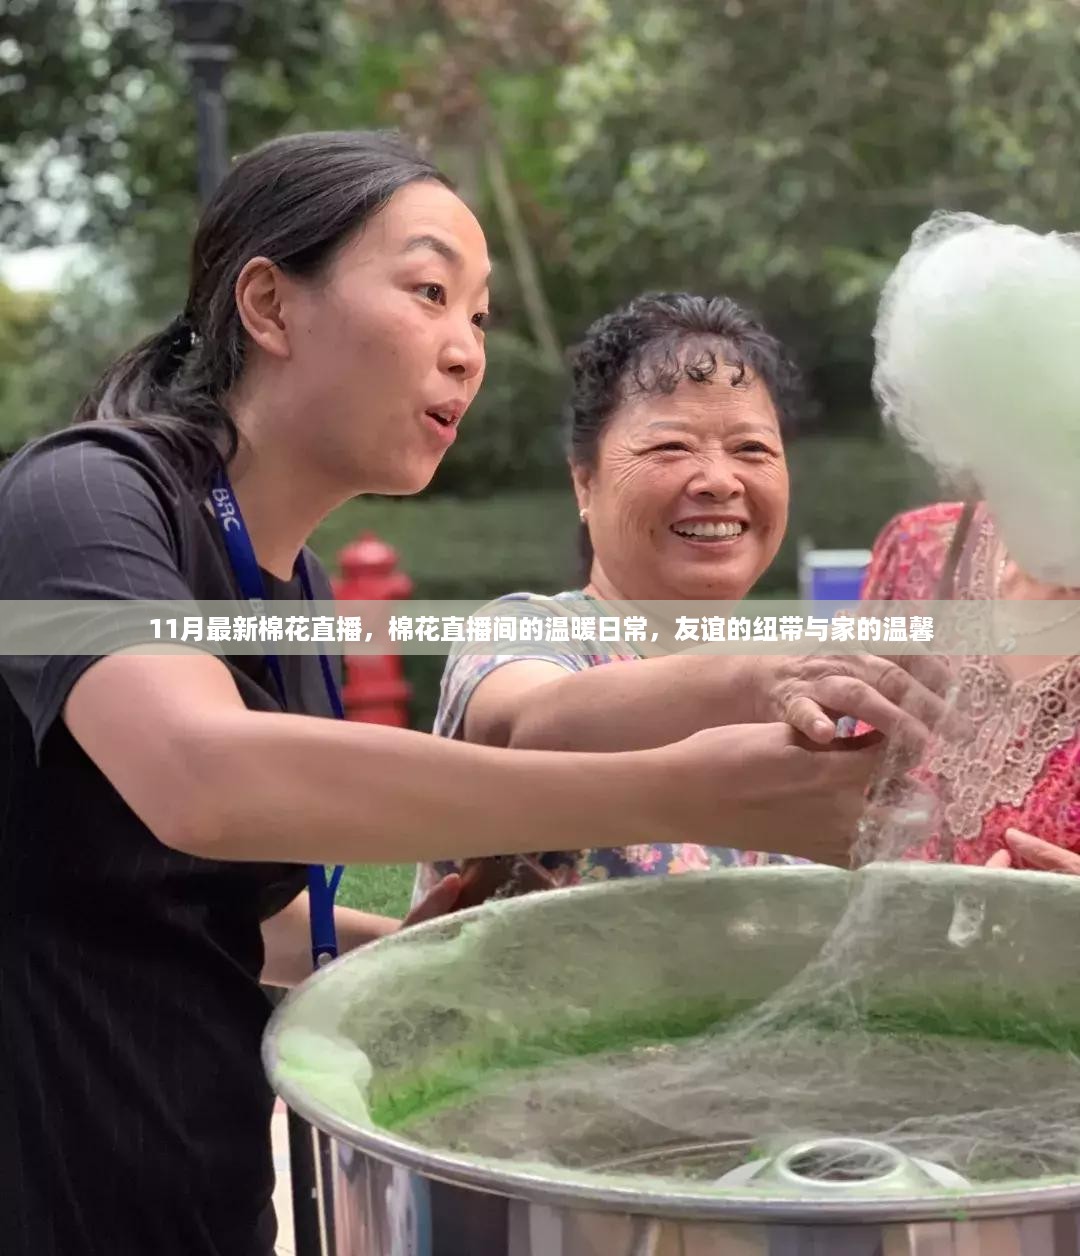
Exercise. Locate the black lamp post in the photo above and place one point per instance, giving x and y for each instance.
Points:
(206, 34)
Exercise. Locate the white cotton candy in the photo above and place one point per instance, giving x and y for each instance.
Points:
(978, 368)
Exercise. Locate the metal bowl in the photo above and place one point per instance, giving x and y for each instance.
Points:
(357, 1042)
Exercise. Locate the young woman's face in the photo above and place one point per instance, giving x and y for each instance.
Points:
(387, 348)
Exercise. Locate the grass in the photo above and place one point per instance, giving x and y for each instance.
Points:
(381, 888)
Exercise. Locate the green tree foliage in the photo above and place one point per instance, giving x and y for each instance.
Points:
(54, 346)
(96, 124)
(785, 152)
(23, 316)
(780, 152)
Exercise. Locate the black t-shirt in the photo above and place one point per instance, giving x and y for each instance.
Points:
(134, 1113)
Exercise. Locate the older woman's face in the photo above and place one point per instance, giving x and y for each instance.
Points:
(689, 495)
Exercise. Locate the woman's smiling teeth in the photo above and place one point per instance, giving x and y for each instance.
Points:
(706, 531)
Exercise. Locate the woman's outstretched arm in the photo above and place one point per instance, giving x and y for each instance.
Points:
(210, 777)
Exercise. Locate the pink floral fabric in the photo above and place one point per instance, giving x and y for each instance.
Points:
(907, 560)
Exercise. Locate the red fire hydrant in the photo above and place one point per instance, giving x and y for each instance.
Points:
(376, 690)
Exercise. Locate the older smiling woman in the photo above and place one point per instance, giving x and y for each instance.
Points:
(677, 455)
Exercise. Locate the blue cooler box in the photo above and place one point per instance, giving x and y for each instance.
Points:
(832, 575)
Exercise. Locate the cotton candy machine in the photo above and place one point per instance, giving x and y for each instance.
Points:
(766, 1061)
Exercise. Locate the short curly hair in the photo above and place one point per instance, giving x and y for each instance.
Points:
(659, 338)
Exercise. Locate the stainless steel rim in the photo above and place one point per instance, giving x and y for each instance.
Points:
(607, 1196)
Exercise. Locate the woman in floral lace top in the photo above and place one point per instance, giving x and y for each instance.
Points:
(1009, 794)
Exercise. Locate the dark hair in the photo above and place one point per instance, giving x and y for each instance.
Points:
(295, 201)
(653, 342)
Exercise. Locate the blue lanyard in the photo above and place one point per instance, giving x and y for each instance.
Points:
(321, 890)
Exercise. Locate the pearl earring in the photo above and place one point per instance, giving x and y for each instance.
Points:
(583, 515)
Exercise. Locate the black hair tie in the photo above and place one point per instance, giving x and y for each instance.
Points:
(177, 341)
(181, 335)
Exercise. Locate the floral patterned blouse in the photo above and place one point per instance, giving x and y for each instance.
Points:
(1022, 767)
(468, 665)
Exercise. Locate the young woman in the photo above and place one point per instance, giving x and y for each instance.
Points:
(157, 811)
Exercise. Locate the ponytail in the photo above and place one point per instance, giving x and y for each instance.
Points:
(161, 387)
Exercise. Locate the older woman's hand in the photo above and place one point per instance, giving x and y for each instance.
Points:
(1027, 851)
(811, 692)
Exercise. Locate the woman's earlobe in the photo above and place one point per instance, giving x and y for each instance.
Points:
(581, 480)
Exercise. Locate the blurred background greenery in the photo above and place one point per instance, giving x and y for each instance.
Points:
(779, 152)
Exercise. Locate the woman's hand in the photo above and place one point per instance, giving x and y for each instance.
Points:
(766, 787)
(810, 692)
(212, 779)
(442, 900)
(507, 874)
(1024, 850)
(480, 880)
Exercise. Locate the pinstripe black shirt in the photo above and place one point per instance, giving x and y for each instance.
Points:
(134, 1115)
